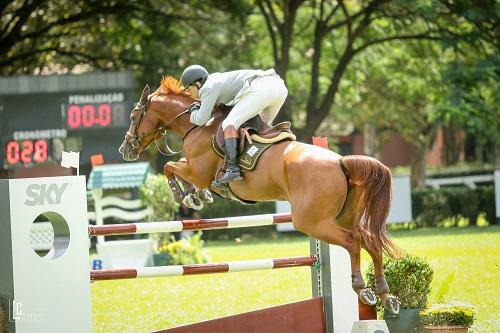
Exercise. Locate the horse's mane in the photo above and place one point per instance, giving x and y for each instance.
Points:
(170, 85)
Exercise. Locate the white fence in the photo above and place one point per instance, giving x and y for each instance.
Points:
(121, 253)
(469, 181)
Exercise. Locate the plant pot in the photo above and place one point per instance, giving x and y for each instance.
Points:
(446, 329)
(406, 321)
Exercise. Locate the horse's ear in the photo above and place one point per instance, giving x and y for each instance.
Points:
(145, 94)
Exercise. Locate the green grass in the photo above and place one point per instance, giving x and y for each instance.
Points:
(465, 260)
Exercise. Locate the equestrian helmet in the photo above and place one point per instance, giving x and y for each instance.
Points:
(192, 74)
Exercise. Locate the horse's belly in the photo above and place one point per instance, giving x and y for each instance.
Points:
(268, 180)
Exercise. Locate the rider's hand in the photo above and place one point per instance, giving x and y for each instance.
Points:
(194, 107)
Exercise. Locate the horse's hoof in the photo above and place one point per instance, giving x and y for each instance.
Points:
(193, 202)
(205, 195)
(391, 304)
(367, 296)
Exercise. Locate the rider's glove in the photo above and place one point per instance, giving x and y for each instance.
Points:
(194, 107)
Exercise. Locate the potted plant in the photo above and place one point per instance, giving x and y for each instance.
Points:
(409, 279)
(447, 318)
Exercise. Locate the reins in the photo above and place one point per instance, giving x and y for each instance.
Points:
(163, 130)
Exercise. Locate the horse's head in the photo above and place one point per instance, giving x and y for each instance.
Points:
(142, 130)
(152, 116)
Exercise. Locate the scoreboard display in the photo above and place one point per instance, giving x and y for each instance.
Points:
(86, 113)
(98, 111)
(26, 152)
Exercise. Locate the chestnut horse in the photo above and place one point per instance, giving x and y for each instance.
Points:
(341, 205)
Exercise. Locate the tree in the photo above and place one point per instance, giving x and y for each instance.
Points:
(336, 32)
(472, 103)
(38, 36)
(471, 77)
(398, 94)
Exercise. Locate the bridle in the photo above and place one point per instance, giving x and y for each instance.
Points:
(132, 137)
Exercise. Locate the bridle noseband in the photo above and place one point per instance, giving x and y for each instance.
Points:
(131, 136)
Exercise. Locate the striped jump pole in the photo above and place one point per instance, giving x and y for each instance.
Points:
(179, 270)
(199, 224)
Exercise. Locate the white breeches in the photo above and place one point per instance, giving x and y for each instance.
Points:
(265, 96)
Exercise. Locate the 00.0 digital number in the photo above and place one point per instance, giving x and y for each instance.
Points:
(87, 116)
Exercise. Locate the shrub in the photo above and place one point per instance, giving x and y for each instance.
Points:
(185, 251)
(486, 195)
(431, 206)
(409, 279)
(156, 194)
(448, 315)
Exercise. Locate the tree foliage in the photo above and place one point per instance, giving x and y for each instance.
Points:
(149, 37)
(334, 33)
(407, 66)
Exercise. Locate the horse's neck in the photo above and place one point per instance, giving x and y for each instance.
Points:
(199, 141)
(182, 124)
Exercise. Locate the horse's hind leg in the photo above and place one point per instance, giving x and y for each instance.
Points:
(366, 295)
(390, 302)
(329, 231)
(346, 219)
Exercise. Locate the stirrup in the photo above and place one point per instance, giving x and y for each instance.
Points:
(229, 176)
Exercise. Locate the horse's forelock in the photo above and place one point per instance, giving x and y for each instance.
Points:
(170, 85)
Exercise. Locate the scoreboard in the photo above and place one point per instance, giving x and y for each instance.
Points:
(95, 111)
(87, 113)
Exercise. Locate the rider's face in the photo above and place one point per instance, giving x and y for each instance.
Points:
(194, 91)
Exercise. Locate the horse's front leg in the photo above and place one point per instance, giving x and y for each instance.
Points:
(191, 196)
(175, 188)
(188, 187)
(173, 182)
(202, 194)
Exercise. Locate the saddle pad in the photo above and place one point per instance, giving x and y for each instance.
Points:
(249, 157)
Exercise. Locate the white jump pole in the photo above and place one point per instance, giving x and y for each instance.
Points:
(49, 293)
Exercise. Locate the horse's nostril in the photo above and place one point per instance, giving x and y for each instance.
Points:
(120, 150)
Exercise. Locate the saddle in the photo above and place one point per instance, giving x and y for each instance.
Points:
(257, 130)
(255, 138)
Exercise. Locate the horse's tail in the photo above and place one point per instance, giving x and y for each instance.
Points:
(372, 201)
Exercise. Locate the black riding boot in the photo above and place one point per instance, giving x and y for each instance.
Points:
(233, 171)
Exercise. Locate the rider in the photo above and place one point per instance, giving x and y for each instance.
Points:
(250, 92)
